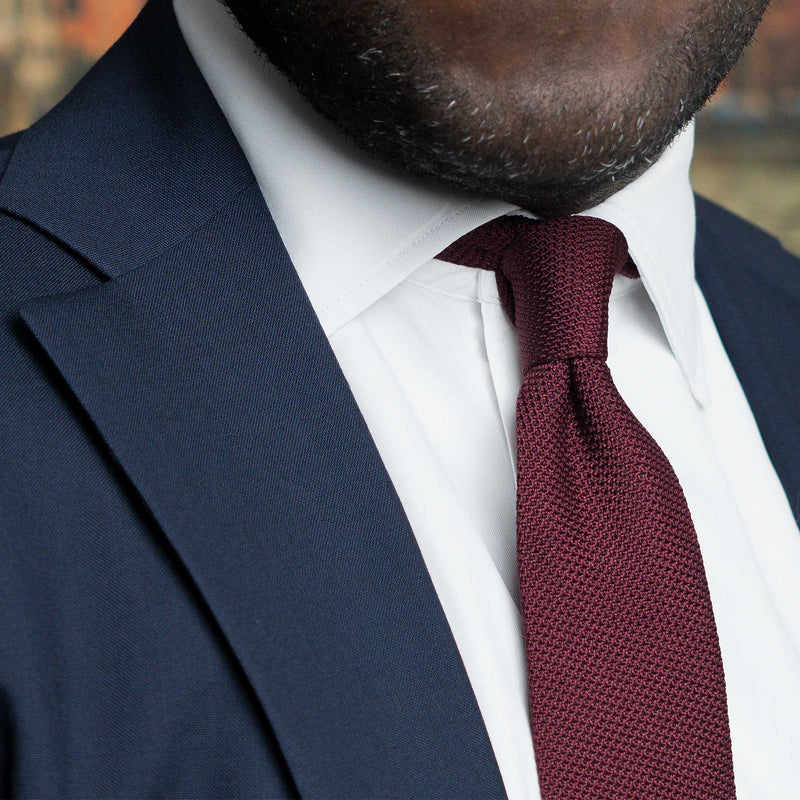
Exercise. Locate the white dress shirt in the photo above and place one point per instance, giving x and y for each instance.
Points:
(433, 364)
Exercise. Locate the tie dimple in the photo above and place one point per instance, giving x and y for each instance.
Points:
(625, 678)
(560, 289)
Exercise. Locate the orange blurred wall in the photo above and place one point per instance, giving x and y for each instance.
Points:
(96, 24)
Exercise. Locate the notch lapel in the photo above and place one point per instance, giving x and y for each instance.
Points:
(216, 390)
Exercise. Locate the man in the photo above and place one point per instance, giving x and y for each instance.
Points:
(258, 468)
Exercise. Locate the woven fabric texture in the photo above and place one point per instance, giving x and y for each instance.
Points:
(626, 684)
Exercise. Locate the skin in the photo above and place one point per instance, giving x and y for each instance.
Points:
(549, 104)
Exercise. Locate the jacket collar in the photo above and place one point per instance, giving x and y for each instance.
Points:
(134, 159)
(205, 370)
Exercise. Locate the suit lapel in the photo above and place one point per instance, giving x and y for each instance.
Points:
(752, 287)
(214, 387)
(205, 370)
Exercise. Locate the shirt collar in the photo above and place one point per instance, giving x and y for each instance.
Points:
(657, 215)
(355, 228)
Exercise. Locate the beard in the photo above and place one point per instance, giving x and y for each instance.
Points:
(557, 135)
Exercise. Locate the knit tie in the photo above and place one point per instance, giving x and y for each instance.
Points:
(626, 686)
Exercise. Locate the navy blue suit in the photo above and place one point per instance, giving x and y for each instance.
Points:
(209, 587)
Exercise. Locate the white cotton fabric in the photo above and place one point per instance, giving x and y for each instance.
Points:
(432, 362)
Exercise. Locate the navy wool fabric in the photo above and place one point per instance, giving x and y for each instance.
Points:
(208, 586)
(752, 287)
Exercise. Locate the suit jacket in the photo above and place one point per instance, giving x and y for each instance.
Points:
(209, 586)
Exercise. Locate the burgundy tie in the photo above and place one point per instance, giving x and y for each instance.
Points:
(626, 687)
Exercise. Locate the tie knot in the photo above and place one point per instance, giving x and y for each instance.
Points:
(554, 278)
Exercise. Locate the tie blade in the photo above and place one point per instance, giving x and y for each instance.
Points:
(627, 688)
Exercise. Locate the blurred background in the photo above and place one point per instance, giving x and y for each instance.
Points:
(748, 138)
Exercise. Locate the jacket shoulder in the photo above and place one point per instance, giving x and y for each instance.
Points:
(7, 145)
(743, 245)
